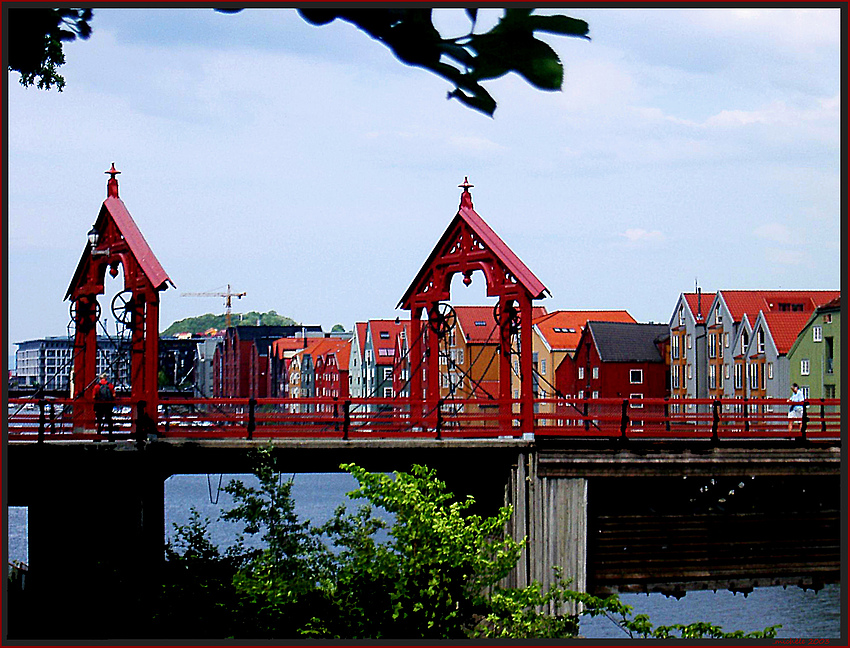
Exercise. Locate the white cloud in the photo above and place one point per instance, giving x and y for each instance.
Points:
(785, 257)
(637, 236)
(776, 232)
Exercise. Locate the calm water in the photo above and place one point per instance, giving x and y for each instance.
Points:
(801, 613)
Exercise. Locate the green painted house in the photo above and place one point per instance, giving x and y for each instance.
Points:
(816, 353)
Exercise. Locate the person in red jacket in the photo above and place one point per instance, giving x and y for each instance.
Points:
(104, 401)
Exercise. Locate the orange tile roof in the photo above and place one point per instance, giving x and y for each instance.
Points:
(699, 303)
(750, 302)
(281, 345)
(479, 333)
(573, 322)
(388, 326)
(334, 346)
(785, 327)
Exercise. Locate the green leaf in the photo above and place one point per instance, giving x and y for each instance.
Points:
(563, 25)
(517, 14)
(539, 64)
(318, 16)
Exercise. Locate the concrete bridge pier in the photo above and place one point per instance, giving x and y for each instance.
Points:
(95, 538)
(551, 512)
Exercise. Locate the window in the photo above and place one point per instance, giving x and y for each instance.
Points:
(804, 367)
(633, 398)
(760, 341)
(674, 346)
(829, 391)
(738, 376)
(385, 335)
(712, 376)
(712, 345)
(581, 373)
(829, 355)
(674, 376)
(805, 390)
(480, 323)
(558, 329)
(726, 340)
(636, 376)
(388, 373)
(770, 371)
(595, 394)
(580, 394)
(690, 371)
(595, 375)
(754, 376)
(817, 334)
(726, 371)
(681, 315)
(827, 319)
(689, 340)
(543, 366)
(386, 352)
(388, 392)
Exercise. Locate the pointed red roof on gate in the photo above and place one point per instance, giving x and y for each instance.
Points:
(491, 240)
(113, 209)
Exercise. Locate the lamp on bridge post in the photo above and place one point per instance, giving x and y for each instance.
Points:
(94, 238)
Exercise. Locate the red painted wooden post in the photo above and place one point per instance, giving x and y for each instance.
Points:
(526, 359)
(505, 359)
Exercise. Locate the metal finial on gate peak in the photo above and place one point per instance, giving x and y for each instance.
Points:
(112, 183)
(466, 197)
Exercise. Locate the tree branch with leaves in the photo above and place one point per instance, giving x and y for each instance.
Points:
(36, 37)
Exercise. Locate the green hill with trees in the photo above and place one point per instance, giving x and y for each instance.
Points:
(205, 322)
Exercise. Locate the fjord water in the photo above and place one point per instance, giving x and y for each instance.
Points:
(803, 614)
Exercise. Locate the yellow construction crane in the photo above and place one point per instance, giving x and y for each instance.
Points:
(227, 300)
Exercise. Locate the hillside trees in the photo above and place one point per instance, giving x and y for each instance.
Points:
(203, 323)
(35, 46)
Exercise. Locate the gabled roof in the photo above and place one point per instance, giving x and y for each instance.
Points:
(627, 341)
(783, 328)
(830, 307)
(699, 303)
(360, 334)
(466, 215)
(392, 328)
(561, 330)
(114, 209)
(477, 324)
(741, 302)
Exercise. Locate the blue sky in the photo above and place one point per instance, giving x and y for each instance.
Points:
(309, 168)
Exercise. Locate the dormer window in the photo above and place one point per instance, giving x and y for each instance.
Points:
(385, 335)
